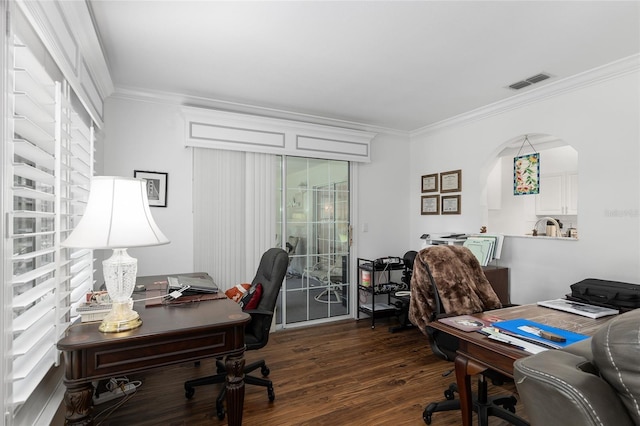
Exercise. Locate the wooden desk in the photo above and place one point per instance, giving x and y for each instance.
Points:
(477, 353)
(168, 335)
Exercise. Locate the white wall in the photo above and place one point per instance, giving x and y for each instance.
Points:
(601, 122)
(142, 135)
(383, 200)
(149, 136)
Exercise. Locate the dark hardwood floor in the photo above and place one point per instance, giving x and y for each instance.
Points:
(341, 373)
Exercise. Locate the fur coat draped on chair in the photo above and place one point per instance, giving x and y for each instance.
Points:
(462, 285)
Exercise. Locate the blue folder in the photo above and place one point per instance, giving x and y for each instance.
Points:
(512, 327)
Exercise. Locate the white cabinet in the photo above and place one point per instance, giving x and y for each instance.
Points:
(558, 195)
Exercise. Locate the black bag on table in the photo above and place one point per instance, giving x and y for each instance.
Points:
(610, 294)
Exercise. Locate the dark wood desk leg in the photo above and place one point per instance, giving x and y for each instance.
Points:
(464, 390)
(79, 404)
(235, 388)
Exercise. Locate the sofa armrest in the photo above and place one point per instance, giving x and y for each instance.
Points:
(559, 387)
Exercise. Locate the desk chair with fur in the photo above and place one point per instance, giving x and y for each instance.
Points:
(271, 272)
(448, 281)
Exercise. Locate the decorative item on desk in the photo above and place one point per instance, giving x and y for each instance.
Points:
(117, 217)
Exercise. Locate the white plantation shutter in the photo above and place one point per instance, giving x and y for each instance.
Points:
(51, 161)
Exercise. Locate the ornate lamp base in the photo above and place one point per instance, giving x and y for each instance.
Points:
(120, 318)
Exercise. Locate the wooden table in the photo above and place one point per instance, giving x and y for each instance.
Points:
(477, 353)
(168, 335)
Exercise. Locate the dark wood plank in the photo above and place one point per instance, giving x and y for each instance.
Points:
(341, 373)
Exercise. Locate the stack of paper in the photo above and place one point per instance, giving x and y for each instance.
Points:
(485, 247)
(524, 345)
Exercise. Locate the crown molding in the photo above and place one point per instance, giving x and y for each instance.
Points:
(594, 76)
(170, 98)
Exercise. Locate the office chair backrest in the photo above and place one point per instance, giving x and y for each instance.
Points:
(270, 273)
(447, 281)
(408, 259)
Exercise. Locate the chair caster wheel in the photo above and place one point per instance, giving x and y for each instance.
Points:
(189, 392)
(271, 394)
(427, 418)
(265, 371)
(449, 394)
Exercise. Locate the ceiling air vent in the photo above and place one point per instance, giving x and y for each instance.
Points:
(519, 85)
(529, 81)
(538, 78)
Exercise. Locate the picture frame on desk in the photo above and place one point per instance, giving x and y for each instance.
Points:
(451, 204)
(156, 186)
(429, 183)
(430, 204)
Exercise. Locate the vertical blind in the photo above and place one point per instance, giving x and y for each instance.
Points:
(234, 213)
(51, 162)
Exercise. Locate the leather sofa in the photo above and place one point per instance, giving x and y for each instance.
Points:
(593, 382)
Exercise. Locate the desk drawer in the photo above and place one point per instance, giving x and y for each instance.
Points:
(155, 353)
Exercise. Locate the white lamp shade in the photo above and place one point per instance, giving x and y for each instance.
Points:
(117, 216)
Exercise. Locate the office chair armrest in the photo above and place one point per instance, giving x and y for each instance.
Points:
(260, 312)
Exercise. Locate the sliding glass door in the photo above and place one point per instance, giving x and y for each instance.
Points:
(314, 223)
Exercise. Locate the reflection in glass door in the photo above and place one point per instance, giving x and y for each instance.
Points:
(315, 219)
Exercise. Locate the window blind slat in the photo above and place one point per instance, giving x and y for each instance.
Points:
(33, 274)
(32, 295)
(29, 317)
(31, 173)
(25, 387)
(38, 133)
(33, 153)
(32, 336)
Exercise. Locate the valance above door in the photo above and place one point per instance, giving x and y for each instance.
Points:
(207, 128)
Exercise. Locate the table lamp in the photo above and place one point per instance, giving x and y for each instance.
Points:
(117, 217)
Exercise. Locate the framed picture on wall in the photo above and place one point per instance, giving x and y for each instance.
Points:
(156, 186)
(430, 204)
(451, 204)
(451, 181)
(430, 183)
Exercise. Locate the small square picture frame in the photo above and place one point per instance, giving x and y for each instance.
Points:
(156, 184)
(430, 204)
(451, 204)
(429, 183)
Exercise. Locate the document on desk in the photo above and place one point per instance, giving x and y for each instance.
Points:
(523, 329)
(495, 334)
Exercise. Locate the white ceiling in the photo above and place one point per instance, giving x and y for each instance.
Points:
(392, 64)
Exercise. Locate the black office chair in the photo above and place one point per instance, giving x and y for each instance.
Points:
(402, 302)
(271, 272)
(448, 281)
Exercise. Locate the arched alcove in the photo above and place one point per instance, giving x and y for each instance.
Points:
(511, 214)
